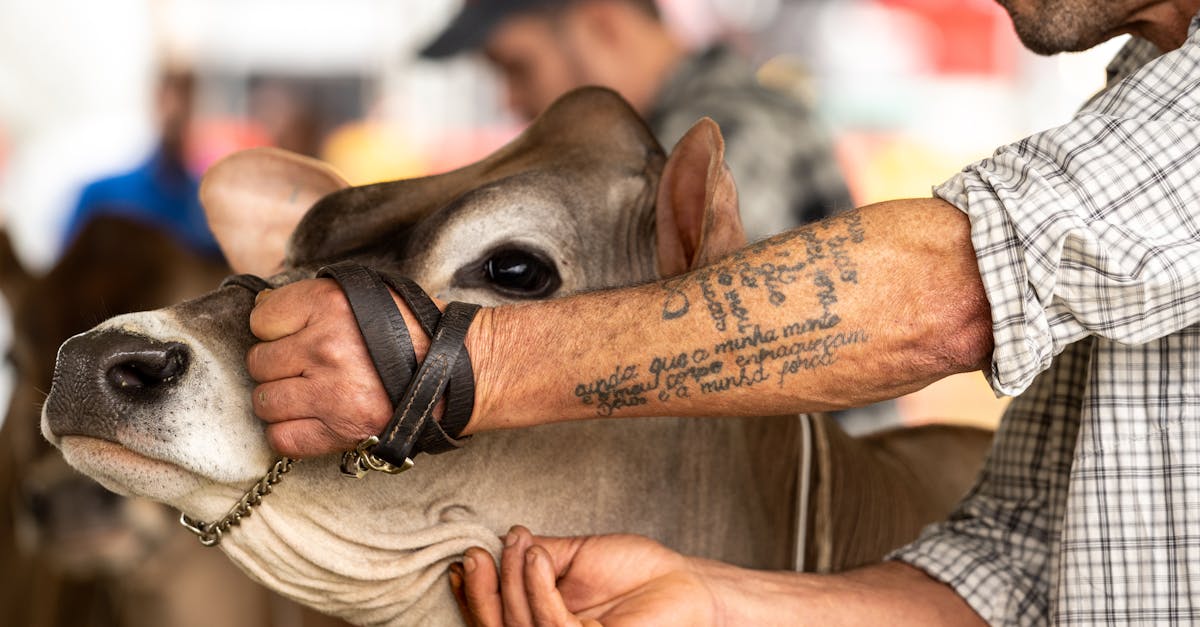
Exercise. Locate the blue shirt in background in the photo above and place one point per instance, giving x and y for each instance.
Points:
(160, 192)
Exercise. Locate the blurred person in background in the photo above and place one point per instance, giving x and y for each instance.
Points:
(780, 157)
(161, 191)
(288, 115)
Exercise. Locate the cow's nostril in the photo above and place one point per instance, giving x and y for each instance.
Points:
(147, 368)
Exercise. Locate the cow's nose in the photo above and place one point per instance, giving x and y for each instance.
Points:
(102, 377)
(134, 364)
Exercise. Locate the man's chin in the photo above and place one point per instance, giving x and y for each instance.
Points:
(126, 472)
(1053, 27)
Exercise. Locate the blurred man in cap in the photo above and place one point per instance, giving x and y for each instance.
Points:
(781, 160)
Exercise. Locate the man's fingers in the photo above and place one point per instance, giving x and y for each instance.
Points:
(545, 603)
(348, 411)
(279, 359)
(456, 576)
(482, 588)
(295, 438)
(285, 310)
(561, 550)
(512, 577)
(293, 398)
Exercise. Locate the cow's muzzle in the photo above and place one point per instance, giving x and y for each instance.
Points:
(101, 376)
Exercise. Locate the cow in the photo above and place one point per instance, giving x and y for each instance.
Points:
(74, 552)
(158, 404)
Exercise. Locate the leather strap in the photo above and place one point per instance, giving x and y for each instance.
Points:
(250, 282)
(460, 389)
(412, 427)
(445, 371)
(380, 323)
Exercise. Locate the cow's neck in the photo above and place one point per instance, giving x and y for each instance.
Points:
(372, 550)
(375, 550)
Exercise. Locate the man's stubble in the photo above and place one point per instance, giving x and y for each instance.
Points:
(1053, 26)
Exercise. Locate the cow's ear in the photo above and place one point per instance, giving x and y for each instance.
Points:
(13, 275)
(255, 198)
(697, 207)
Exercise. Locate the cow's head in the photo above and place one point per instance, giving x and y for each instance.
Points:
(113, 266)
(158, 404)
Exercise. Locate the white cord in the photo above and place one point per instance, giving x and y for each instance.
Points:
(803, 479)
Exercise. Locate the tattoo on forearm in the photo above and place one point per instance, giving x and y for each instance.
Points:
(819, 257)
(798, 253)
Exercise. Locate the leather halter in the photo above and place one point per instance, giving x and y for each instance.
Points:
(412, 429)
(414, 390)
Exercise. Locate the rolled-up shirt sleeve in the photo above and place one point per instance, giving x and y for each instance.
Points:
(1091, 228)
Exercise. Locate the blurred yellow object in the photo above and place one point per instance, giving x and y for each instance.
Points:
(962, 399)
(789, 74)
(369, 152)
(883, 166)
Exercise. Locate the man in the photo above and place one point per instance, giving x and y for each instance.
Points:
(782, 161)
(161, 191)
(1067, 266)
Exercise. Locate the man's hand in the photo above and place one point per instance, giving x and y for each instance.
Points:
(318, 389)
(621, 580)
(611, 580)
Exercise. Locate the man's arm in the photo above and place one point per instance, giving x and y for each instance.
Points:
(865, 306)
(629, 580)
(862, 307)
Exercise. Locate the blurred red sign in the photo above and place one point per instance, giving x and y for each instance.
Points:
(974, 36)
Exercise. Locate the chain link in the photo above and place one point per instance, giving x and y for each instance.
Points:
(210, 533)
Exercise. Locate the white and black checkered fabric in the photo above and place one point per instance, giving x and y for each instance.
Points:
(1088, 239)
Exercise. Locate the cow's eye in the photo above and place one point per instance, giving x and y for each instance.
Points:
(521, 273)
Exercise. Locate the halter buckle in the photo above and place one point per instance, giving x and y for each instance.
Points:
(358, 462)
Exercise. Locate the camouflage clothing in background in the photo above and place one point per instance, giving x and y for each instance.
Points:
(781, 159)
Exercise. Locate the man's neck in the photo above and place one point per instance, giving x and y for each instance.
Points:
(1165, 24)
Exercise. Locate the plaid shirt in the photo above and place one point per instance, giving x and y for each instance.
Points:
(1088, 240)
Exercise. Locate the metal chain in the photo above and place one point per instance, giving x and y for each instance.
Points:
(210, 533)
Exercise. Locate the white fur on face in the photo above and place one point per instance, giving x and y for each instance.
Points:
(202, 434)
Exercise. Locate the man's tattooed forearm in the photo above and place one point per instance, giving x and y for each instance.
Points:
(612, 392)
(748, 360)
(803, 256)
(716, 310)
(813, 263)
